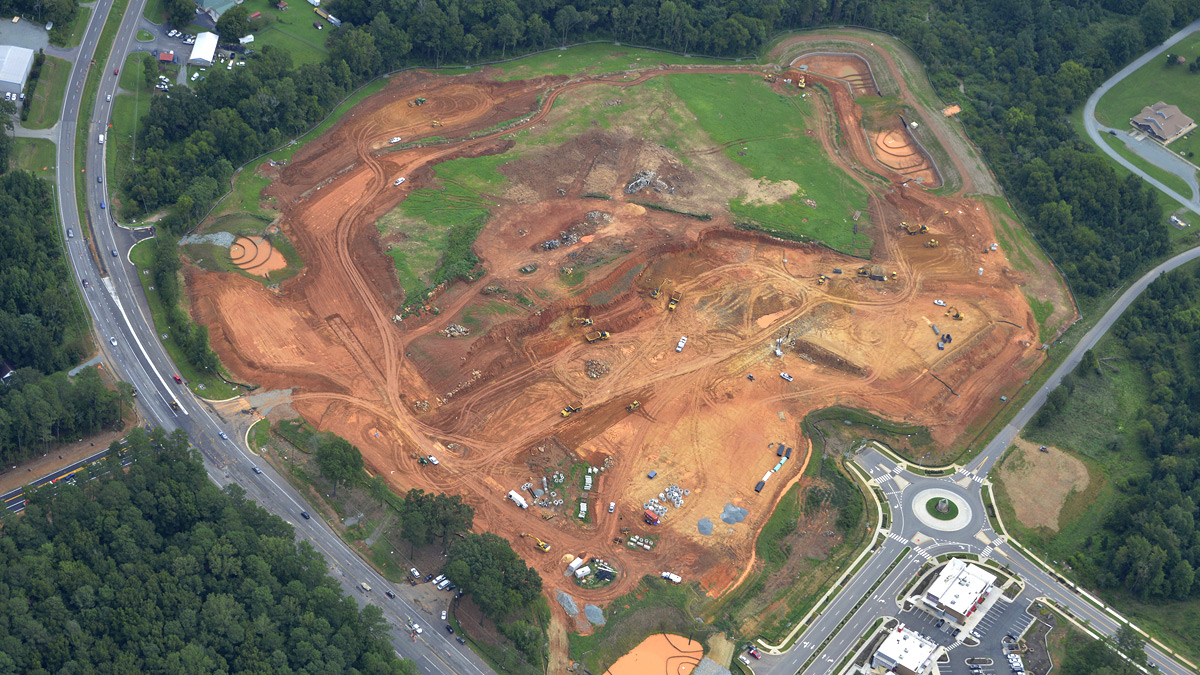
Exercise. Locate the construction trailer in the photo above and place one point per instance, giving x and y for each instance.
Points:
(650, 517)
(518, 499)
(596, 336)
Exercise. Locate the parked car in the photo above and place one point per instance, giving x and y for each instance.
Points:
(413, 571)
(787, 377)
(443, 615)
(612, 506)
(754, 652)
(450, 629)
(399, 180)
(461, 641)
(433, 460)
(743, 659)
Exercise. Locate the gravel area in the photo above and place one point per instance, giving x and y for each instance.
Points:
(568, 604)
(222, 239)
(705, 526)
(594, 614)
(734, 514)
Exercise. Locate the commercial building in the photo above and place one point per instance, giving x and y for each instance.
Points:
(905, 653)
(1164, 123)
(958, 590)
(204, 50)
(15, 63)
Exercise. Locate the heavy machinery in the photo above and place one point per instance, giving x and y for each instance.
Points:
(633, 406)
(416, 101)
(933, 243)
(658, 289)
(582, 320)
(676, 296)
(543, 546)
(914, 228)
(821, 279)
(800, 81)
(437, 123)
(548, 516)
(571, 409)
(596, 336)
(769, 77)
(953, 313)
(864, 271)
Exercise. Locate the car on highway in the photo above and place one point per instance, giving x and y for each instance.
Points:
(461, 641)
(101, 206)
(112, 341)
(365, 586)
(304, 515)
(417, 628)
(257, 470)
(224, 436)
(70, 233)
(86, 284)
(390, 594)
(178, 380)
(108, 97)
(116, 70)
(114, 252)
(100, 178)
(443, 615)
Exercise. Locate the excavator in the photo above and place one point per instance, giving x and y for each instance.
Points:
(821, 279)
(543, 546)
(658, 289)
(571, 408)
(633, 406)
(769, 77)
(582, 320)
(864, 271)
(548, 516)
(953, 313)
(437, 123)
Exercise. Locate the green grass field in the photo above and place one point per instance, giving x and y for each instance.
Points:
(215, 388)
(35, 155)
(595, 60)
(424, 220)
(291, 29)
(47, 101)
(127, 112)
(154, 11)
(767, 131)
(1155, 82)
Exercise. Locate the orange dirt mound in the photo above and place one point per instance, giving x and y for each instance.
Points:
(849, 68)
(895, 149)
(662, 653)
(256, 255)
(487, 404)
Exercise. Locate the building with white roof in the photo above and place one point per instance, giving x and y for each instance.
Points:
(958, 590)
(204, 50)
(15, 63)
(905, 653)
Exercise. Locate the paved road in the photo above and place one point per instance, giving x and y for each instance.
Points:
(901, 489)
(1150, 151)
(130, 347)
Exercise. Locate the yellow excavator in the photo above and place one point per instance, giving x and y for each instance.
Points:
(582, 320)
(658, 289)
(821, 279)
(864, 271)
(437, 123)
(543, 546)
(953, 313)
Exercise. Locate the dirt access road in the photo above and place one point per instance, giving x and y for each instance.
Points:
(487, 404)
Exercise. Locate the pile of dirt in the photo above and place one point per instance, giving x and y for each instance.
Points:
(595, 369)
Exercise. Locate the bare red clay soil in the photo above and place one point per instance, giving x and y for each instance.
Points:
(487, 404)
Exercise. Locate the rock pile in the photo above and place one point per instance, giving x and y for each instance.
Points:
(595, 369)
(455, 330)
(646, 179)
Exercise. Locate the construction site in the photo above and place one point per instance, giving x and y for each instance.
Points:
(656, 376)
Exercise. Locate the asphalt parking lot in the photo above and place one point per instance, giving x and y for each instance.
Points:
(1002, 619)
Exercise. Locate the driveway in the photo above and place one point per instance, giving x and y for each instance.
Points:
(1146, 149)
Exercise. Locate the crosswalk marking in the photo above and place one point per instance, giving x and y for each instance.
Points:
(895, 537)
(922, 553)
(884, 478)
(953, 646)
(986, 552)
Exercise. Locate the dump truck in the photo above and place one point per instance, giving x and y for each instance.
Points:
(650, 517)
(596, 336)
(571, 408)
(633, 406)
(914, 228)
(674, 301)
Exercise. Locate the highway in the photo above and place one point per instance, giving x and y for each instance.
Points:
(121, 321)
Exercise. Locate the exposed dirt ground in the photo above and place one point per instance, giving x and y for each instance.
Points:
(1045, 480)
(487, 404)
(256, 255)
(660, 653)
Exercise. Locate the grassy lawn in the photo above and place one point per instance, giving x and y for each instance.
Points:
(145, 35)
(35, 155)
(734, 107)
(47, 101)
(291, 29)
(248, 185)
(154, 11)
(1154, 82)
(206, 386)
(594, 60)
(424, 220)
(128, 110)
(71, 34)
(260, 434)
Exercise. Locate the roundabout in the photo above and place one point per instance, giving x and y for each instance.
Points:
(941, 510)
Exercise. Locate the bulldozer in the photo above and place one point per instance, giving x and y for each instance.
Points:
(800, 81)
(571, 409)
(821, 279)
(953, 313)
(542, 546)
(864, 271)
(674, 301)
(769, 77)
(933, 243)
(596, 336)
(437, 123)
(633, 406)
(582, 320)
(548, 516)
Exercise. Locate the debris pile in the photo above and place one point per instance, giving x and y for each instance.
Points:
(551, 244)
(595, 369)
(421, 406)
(455, 330)
(646, 179)
(603, 216)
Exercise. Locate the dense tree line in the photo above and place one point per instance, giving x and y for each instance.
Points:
(191, 338)
(40, 320)
(425, 516)
(1104, 657)
(61, 12)
(505, 589)
(38, 411)
(155, 569)
(1149, 544)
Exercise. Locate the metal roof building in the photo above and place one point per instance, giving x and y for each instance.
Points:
(204, 50)
(15, 63)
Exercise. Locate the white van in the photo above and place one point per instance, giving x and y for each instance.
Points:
(442, 586)
(438, 579)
